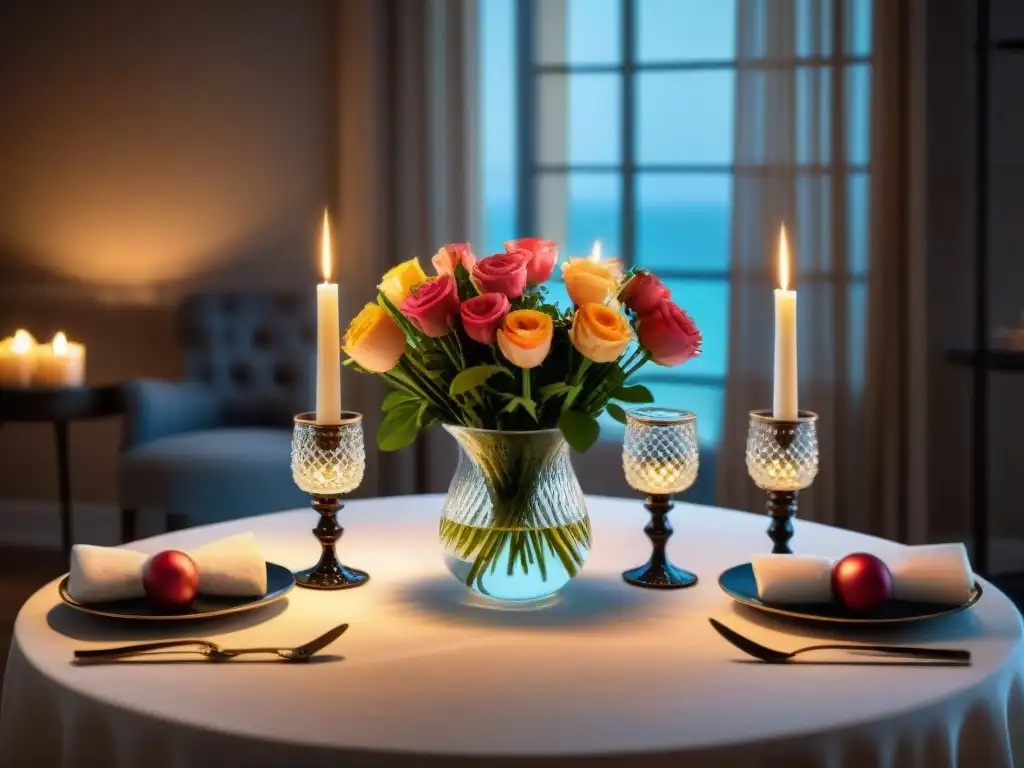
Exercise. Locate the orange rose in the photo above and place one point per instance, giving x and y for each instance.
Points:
(524, 337)
(600, 333)
(591, 282)
(374, 339)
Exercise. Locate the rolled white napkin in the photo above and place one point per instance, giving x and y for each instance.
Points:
(932, 573)
(793, 578)
(232, 567)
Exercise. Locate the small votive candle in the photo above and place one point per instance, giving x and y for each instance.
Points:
(17, 359)
(61, 363)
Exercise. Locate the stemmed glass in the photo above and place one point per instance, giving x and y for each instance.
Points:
(660, 457)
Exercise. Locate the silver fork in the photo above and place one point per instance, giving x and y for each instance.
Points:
(212, 651)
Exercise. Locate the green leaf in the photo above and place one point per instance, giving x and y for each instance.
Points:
(616, 412)
(580, 430)
(475, 377)
(395, 398)
(399, 427)
(554, 390)
(637, 393)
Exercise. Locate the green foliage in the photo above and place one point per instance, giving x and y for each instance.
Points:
(616, 412)
(579, 430)
(400, 426)
(637, 393)
(396, 398)
(474, 378)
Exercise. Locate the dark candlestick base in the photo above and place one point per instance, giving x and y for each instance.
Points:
(658, 572)
(781, 506)
(328, 573)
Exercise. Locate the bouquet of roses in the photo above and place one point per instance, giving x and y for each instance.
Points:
(479, 344)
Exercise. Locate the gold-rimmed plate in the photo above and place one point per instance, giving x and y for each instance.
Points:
(279, 582)
(739, 584)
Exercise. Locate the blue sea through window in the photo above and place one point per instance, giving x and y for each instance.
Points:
(612, 120)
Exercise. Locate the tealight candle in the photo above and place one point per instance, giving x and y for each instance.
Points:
(60, 363)
(17, 359)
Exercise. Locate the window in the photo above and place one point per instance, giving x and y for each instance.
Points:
(613, 121)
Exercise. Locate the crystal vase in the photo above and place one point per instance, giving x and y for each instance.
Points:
(514, 527)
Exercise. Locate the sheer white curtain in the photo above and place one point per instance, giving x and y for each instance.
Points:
(406, 173)
(801, 159)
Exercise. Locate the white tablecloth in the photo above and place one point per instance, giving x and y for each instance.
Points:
(607, 675)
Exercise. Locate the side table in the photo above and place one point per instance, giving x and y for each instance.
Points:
(60, 407)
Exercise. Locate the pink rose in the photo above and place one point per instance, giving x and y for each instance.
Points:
(433, 305)
(644, 292)
(541, 257)
(669, 334)
(502, 273)
(481, 316)
(452, 254)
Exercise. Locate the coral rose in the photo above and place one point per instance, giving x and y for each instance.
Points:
(600, 333)
(644, 292)
(481, 316)
(525, 337)
(399, 281)
(503, 273)
(669, 334)
(433, 306)
(374, 339)
(541, 257)
(589, 281)
(451, 255)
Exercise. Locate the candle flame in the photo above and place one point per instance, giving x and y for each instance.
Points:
(60, 344)
(595, 252)
(325, 249)
(784, 265)
(23, 342)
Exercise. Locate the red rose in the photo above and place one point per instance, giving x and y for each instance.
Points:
(433, 305)
(669, 334)
(644, 292)
(541, 257)
(503, 273)
(482, 315)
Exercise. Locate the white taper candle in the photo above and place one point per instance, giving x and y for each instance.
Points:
(785, 399)
(328, 342)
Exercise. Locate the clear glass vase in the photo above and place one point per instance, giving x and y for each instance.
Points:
(514, 526)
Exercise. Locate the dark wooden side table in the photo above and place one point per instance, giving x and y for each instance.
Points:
(60, 407)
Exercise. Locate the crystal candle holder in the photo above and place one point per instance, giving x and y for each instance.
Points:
(660, 457)
(782, 460)
(328, 461)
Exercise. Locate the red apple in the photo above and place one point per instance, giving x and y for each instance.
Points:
(862, 582)
(171, 579)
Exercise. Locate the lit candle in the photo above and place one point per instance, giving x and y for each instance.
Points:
(328, 342)
(60, 363)
(785, 400)
(595, 251)
(17, 359)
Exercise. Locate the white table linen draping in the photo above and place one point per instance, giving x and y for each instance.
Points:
(610, 675)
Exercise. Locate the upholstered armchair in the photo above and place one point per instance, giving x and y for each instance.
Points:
(216, 446)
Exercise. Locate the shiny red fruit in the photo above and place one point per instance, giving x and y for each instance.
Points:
(171, 579)
(861, 582)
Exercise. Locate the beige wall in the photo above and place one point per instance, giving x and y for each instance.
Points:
(149, 150)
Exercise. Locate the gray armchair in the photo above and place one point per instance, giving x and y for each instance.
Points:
(216, 446)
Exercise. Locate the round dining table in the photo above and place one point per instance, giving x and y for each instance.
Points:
(607, 675)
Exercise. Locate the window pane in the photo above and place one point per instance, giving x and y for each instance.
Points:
(857, 324)
(813, 115)
(686, 30)
(707, 302)
(683, 221)
(497, 122)
(857, 224)
(704, 400)
(858, 27)
(811, 243)
(579, 119)
(814, 27)
(575, 209)
(578, 31)
(685, 117)
(858, 106)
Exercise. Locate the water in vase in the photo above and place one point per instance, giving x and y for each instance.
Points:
(523, 565)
